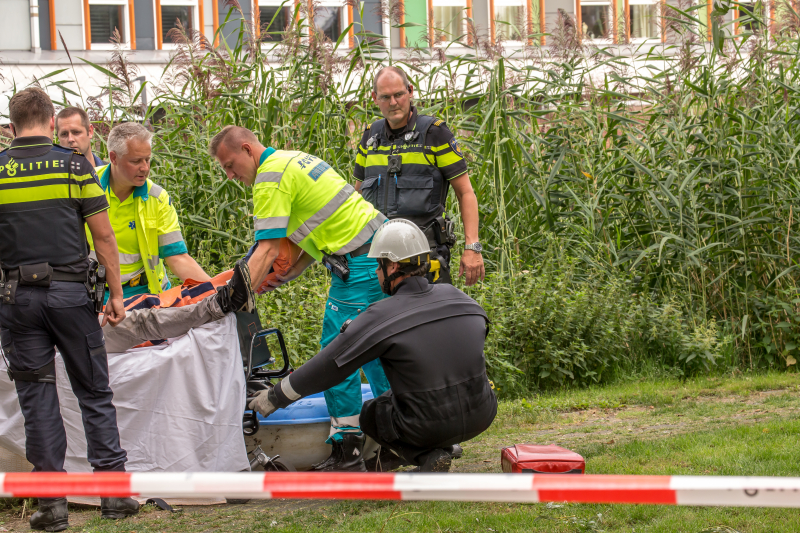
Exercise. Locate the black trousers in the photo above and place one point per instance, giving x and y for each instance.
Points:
(374, 425)
(61, 316)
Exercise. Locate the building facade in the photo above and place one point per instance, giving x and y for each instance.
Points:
(42, 29)
(86, 25)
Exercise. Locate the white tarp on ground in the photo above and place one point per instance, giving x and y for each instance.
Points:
(179, 405)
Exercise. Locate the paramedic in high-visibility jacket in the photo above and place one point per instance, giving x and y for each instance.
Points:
(144, 220)
(299, 196)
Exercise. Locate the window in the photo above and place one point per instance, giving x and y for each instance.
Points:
(595, 20)
(105, 16)
(449, 19)
(644, 20)
(510, 21)
(750, 16)
(274, 17)
(172, 11)
(330, 18)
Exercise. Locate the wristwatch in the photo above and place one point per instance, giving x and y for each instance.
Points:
(475, 247)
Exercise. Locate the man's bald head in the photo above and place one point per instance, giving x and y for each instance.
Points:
(232, 137)
(396, 71)
(239, 152)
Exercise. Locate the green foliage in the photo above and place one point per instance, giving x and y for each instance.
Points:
(551, 327)
(636, 213)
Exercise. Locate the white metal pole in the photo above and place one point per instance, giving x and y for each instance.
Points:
(35, 41)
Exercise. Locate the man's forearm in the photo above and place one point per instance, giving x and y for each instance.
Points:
(261, 260)
(185, 267)
(468, 204)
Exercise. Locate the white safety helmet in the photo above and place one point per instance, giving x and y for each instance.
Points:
(398, 240)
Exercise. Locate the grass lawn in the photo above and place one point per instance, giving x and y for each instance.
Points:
(743, 425)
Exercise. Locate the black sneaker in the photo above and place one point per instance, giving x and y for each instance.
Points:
(437, 460)
(52, 515)
(116, 508)
(241, 289)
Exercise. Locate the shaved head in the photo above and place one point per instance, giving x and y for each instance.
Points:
(231, 137)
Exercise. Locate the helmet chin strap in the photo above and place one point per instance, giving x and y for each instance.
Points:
(388, 279)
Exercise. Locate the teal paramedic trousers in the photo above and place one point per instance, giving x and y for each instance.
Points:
(345, 301)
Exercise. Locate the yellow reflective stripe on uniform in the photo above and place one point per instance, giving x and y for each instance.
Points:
(170, 238)
(447, 159)
(129, 259)
(51, 188)
(363, 235)
(271, 223)
(441, 148)
(320, 216)
(409, 158)
(269, 177)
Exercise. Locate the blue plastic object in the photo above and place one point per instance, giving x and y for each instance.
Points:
(309, 410)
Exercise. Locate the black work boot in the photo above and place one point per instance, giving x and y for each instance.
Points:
(332, 458)
(52, 515)
(116, 508)
(437, 460)
(384, 460)
(242, 297)
(455, 451)
(349, 454)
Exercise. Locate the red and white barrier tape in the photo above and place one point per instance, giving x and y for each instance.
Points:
(664, 490)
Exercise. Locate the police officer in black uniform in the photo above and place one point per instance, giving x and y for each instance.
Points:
(406, 163)
(429, 339)
(48, 285)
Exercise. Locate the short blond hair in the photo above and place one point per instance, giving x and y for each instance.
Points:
(228, 136)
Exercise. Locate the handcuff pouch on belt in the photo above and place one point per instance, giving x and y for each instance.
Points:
(38, 275)
(338, 266)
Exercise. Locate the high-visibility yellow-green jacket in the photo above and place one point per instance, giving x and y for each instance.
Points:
(158, 235)
(299, 196)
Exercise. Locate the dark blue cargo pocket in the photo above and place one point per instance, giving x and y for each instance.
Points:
(98, 360)
(66, 294)
(414, 195)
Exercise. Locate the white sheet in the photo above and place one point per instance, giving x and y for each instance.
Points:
(179, 405)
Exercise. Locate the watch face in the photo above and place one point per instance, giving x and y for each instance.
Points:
(475, 247)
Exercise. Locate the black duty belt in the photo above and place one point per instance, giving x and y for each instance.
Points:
(13, 275)
(361, 250)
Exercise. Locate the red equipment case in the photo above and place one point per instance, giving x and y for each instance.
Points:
(532, 459)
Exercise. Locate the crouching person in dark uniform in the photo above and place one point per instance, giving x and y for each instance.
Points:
(46, 194)
(429, 339)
